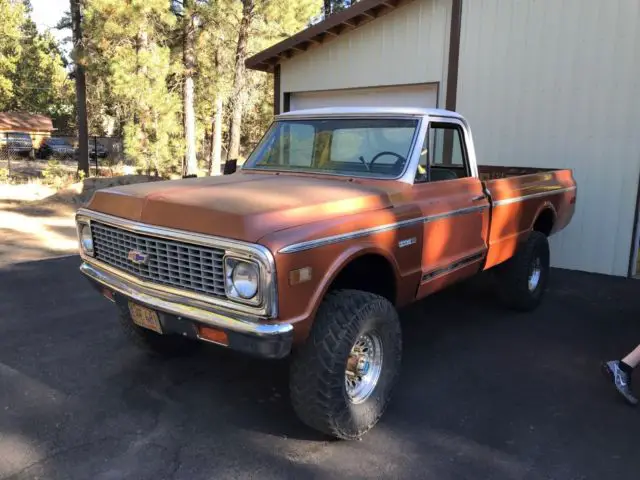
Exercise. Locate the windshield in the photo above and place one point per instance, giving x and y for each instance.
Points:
(358, 147)
(19, 136)
(58, 141)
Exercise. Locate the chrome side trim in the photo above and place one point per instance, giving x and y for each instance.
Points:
(257, 253)
(180, 305)
(321, 242)
(463, 262)
(455, 213)
(509, 201)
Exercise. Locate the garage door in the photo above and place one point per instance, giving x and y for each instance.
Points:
(420, 96)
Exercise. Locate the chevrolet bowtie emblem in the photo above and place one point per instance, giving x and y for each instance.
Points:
(137, 257)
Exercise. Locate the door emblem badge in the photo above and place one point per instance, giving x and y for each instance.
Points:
(406, 242)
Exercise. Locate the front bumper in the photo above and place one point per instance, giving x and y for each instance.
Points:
(181, 315)
(62, 153)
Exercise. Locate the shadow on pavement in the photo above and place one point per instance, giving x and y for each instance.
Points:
(484, 392)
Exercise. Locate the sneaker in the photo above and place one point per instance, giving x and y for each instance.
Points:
(621, 380)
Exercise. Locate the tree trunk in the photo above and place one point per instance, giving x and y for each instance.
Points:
(189, 59)
(216, 138)
(239, 80)
(141, 116)
(327, 8)
(81, 88)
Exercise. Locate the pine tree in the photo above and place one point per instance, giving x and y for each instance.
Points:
(12, 15)
(262, 23)
(130, 52)
(215, 76)
(239, 90)
(77, 8)
(189, 33)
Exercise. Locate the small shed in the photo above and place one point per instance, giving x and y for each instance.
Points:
(37, 126)
(542, 83)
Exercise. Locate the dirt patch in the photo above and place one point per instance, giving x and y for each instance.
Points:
(80, 193)
(45, 226)
(25, 192)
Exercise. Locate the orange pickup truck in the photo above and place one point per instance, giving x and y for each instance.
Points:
(337, 218)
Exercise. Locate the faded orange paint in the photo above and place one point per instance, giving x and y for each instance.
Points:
(451, 230)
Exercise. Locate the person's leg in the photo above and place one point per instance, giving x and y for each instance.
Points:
(619, 371)
(633, 359)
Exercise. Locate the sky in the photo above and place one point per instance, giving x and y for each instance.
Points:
(47, 13)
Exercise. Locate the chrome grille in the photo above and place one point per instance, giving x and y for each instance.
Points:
(169, 262)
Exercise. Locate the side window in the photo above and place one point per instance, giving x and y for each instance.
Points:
(447, 156)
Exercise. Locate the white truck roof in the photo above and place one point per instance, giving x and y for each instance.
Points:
(370, 111)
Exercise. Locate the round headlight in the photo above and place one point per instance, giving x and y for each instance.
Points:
(86, 240)
(245, 279)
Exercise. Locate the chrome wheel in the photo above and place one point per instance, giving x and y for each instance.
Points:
(535, 274)
(363, 367)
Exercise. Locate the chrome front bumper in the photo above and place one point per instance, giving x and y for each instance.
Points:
(185, 308)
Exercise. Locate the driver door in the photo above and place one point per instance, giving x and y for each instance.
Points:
(454, 207)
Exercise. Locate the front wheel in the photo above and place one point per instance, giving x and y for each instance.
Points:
(523, 278)
(342, 377)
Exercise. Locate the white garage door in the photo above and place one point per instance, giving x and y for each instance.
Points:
(419, 96)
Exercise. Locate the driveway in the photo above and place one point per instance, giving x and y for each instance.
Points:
(484, 393)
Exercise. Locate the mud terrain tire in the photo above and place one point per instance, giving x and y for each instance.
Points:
(523, 279)
(347, 320)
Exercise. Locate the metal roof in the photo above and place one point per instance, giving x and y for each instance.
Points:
(335, 25)
(25, 122)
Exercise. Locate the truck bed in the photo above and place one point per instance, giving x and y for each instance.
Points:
(492, 172)
(520, 196)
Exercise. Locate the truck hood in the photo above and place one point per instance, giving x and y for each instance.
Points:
(241, 206)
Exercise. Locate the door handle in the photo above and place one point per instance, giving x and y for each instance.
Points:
(477, 198)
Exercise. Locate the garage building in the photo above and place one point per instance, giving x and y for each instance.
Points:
(543, 83)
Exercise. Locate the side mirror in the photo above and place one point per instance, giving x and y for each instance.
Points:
(230, 166)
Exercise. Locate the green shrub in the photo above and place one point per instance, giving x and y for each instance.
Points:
(56, 175)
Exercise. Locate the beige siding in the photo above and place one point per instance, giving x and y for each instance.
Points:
(554, 83)
(376, 54)
(415, 95)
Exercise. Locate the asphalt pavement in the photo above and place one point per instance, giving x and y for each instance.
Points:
(484, 393)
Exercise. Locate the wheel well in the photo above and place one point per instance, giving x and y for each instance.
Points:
(370, 273)
(544, 222)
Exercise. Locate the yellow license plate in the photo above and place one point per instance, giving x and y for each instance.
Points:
(145, 317)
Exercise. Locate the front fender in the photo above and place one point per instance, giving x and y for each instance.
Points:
(298, 304)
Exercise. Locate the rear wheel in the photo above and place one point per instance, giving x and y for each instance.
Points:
(342, 377)
(523, 278)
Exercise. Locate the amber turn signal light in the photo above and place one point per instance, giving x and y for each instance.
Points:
(299, 276)
(213, 335)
